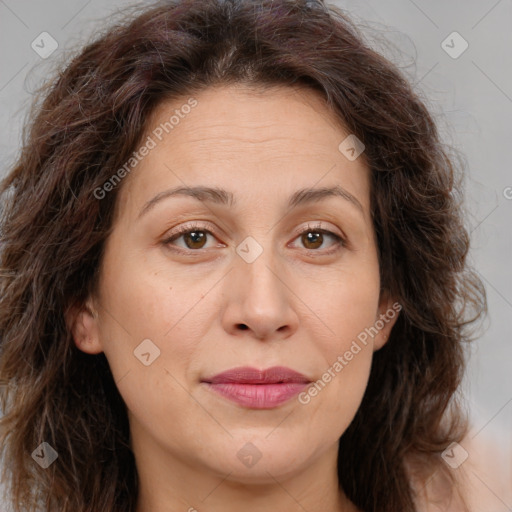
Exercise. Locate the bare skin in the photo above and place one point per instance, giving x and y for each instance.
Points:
(300, 303)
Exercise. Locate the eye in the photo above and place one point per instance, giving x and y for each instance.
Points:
(194, 237)
(313, 238)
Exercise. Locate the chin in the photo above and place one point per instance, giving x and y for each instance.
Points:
(260, 460)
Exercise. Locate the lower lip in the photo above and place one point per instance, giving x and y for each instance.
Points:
(259, 396)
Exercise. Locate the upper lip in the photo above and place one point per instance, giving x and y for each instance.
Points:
(248, 375)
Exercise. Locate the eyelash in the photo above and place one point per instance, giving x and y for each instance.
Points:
(340, 242)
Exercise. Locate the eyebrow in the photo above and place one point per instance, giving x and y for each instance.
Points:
(224, 197)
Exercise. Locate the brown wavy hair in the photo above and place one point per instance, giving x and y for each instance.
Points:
(86, 122)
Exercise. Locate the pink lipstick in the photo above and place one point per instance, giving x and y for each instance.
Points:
(258, 389)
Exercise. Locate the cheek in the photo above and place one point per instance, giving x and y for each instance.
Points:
(333, 399)
(140, 302)
(346, 305)
(149, 300)
(145, 304)
(347, 308)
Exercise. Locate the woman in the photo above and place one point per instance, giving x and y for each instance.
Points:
(234, 275)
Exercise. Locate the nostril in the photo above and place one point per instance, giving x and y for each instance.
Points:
(243, 327)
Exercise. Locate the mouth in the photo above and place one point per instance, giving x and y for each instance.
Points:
(258, 389)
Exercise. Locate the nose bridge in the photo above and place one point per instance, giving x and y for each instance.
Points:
(259, 298)
(259, 267)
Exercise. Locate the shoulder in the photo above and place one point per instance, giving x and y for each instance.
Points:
(481, 467)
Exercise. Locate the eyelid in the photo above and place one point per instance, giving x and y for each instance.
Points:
(207, 227)
(318, 226)
(340, 239)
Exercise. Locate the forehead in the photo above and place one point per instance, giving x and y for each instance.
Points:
(259, 115)
(246, 139)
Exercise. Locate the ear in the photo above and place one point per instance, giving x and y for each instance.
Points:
(82, 321)
(387, 314)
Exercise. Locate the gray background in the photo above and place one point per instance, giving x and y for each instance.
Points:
(471, 97)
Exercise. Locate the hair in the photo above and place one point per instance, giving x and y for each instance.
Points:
(89, 121)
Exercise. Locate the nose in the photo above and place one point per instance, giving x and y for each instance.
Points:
(260, 302)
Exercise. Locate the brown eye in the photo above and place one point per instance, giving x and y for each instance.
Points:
(195, 239)
(312, 240)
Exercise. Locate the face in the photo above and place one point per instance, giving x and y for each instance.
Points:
(252, 274)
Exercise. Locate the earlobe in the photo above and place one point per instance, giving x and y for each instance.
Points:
(83, 324)
(387, 316)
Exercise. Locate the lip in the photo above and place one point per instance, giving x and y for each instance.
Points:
(258, 389)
